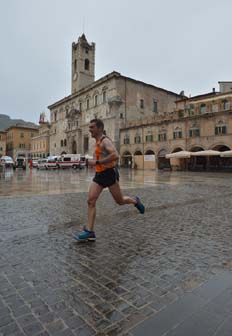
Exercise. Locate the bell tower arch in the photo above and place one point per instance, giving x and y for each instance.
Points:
(83, 63)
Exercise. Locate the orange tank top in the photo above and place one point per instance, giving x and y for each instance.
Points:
(101, 153)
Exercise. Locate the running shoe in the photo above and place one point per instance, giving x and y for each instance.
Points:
(139, 205)
(85, 236)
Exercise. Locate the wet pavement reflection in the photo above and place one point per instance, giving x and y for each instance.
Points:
(141, 266)
(32, 181)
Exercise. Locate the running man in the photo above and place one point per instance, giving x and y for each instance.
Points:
(106, 176)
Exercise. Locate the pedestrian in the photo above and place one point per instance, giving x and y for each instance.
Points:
(30, 163)
(106, 176)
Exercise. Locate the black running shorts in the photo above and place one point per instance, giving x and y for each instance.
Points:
(107, 178)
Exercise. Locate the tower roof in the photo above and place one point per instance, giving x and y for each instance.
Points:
(83, 41)
(83, 38)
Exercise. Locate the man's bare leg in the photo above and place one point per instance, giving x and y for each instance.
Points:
(94, 192)
(116, 192)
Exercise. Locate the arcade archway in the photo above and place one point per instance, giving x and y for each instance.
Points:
(126, 160)
(180, 163)
(218, 163)
(149, 159)
(197, 163)
(138, 160)
(163, 163)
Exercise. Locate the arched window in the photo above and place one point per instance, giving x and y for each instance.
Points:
(86, 64)
(95, 100)
(177, 133)
(155, 106)
(61, 143)
(65, 142)
(87, 103)
(104, 97)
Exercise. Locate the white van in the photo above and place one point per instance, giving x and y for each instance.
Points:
(69, 161)
(46, 164)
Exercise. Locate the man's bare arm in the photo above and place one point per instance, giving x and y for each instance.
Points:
(111, 150)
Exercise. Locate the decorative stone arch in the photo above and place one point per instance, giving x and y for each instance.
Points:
(149, 152)
(138, 152)
(221, 147)
(220, 121)
(177, 149)
(196, 148)
(162, 152)
(73, 105)
(105, 88)
(96, 93)
(177, 128)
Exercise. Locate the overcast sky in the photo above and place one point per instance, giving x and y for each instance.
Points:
(174, 44)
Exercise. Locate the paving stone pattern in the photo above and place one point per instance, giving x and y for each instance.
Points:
(139, 268)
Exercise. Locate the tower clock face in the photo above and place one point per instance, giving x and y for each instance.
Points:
(75, 76)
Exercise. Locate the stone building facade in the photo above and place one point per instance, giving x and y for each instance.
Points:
(18, 140)
(2, 143)
(198, 123)
(116, 99)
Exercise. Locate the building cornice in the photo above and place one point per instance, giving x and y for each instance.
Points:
(102, 80)
(174, 120)
(35, 128)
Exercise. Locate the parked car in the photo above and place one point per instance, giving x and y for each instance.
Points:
(20, 162)
(69, 161)
(46, 164)
(6, 162)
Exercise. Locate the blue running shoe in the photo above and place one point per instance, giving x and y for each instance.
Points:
(85, 236)
(139, 205)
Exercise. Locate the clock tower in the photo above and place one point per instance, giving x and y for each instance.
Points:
(83, 63)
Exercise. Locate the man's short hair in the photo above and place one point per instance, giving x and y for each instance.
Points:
(99, 123)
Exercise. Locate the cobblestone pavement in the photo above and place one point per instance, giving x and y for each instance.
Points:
(139, 266)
